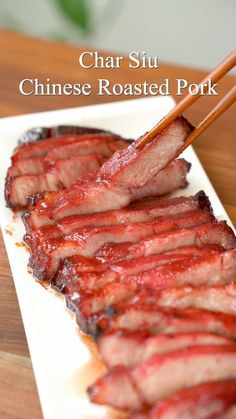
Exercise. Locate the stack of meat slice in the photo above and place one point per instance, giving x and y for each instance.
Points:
(55, 162)
(152, 281)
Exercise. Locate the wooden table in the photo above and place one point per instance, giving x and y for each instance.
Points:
(23, 57)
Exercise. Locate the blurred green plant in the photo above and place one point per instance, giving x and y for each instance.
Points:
(77, 11)
(87, 17)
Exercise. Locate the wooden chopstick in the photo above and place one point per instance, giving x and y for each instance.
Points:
(226, 65)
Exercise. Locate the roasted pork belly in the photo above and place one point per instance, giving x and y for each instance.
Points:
(59, 175)
(205, 401)
(115, 184)
(219, 298)
(163, 375)
(131, 349)
(87, 240)
(218, 233)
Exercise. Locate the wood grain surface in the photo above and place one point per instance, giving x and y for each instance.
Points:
(24, 57)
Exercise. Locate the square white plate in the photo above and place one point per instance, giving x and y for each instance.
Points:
(61, 360)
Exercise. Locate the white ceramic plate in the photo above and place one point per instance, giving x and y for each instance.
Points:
(61, 360)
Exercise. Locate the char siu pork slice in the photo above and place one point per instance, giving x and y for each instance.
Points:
(163, 375)
(71, 271)
(103, 145)
(133, 315)
(143, 212)
(175, 177)
(59, 175)
(150, 160)
(126, 170)
(205, 401)
(218, 233)
(212, 268)
(42, 147)
(219, 298)
(88, 274)
(87, 240)
(209, 269)
(168, 180)
(35, 158)
(131, 349)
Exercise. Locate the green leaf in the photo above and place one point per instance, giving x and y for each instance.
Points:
(76, 11)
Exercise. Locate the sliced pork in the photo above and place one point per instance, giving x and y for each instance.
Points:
(143, 212)
(59, 175)
(90, 274)
(218, 233)
(131, 349)
(209, 269)
(213, 268)
(163, 375)
(42, 147)
(133, 315)
(62, 165)
(87, 240)
(126, 170)
(218, 298)
(153, 283)
(33, 166)
(143, 165)
(103, 145)
(170, 179)
(205, 401)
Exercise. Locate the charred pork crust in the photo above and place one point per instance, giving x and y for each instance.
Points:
(7, 190)
(40, 133)
(203, 201)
